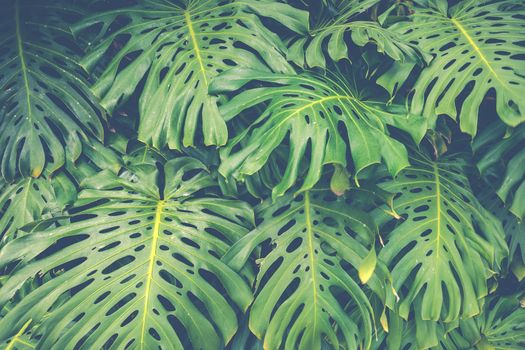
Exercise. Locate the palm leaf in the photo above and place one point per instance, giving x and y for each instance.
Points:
(311, 108)
(178, 47)
(306, 288)
(446, 245)
(46, 103)
(138, 265)
(477, 48)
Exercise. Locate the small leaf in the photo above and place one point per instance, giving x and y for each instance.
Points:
(518, 269)
(384, 321)
(340, 181)
(368, 266)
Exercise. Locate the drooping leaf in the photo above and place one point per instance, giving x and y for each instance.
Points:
(137, 265)
(477, 47)
(445, 246)
(328, 37)
(501, 161)
(46, 105)
(178, 47)
(309, 110)
(307, 287)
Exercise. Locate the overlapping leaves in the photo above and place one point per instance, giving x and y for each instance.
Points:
(31, 199)
(46, 105)
(307, 284)
(136, 265)
(328, 36)
(178, 47)
(514, 231)
(500, 326)
(477, 47)
(150, 256)
(317, 114)
(501, 159)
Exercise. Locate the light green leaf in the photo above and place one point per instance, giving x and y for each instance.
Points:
(317, 244)
(136, 264)
(311, 111)
(21, 340)
(368, 266)
(445, 246)
(178, 48)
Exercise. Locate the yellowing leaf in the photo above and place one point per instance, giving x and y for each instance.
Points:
(368, 266)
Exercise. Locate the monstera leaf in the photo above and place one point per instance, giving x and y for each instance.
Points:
(31, 199)
(501, 159)
(499, 327)
(314, 110)
(137, 265)
(331, 27)
(306, 285)
(446, 244)
(502, 325)
(477, 47)
(179, 47)
(46, 103)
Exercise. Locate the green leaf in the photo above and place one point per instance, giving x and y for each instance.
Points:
(476, 49)
(340, 181)
(309, 109)
(501, 156)
(368, 266)
(317, 244)
(446, 245)
(138, 263)
(46, 105)
(178, 49)
(500, 326)
(21, 340)
(340, 22)
(514, 231)
(31, 199)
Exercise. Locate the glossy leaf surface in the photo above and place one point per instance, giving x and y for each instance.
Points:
(317, 244)
(46, 105)
(179, 47)
(137, 264)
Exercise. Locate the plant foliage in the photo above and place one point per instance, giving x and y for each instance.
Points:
(262, 174)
